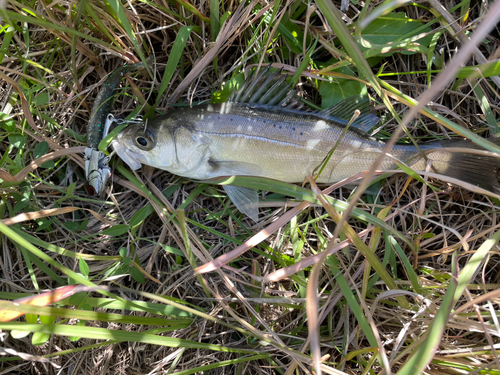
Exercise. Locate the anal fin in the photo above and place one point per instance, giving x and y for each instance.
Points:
(246, 200)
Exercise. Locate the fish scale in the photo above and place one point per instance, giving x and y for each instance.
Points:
(284, 146)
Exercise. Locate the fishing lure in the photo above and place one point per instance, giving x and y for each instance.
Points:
(97, 169)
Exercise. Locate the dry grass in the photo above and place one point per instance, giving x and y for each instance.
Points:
(144, 239)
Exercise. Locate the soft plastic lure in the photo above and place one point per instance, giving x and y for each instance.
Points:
(97, 170)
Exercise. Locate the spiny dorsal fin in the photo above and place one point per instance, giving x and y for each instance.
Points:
(272, 89)
(263, 88)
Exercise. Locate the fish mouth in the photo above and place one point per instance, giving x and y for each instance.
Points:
(128, 156)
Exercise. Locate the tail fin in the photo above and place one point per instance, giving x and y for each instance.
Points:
(468, 162)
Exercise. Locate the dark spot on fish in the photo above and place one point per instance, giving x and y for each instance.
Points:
(213, 164)
(230, 119)
(280, 126)
(293, 128)
(274, 125)
(301, 133)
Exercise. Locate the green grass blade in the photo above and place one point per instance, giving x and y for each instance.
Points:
(420, 359)
(475, 261)
(307, 195)
(486, 108)
(119, 13)
(53, 26)
(106, 334)
(173, 61)
(214, 19)
(221, 364)
(406, 262)
(96, 316)
(19, 238)
(62, 251)
(352, 300)
(7, 32)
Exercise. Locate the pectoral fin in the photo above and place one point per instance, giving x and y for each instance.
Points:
(233, 168)
(246, 200)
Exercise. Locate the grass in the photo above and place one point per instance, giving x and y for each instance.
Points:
(164, 275)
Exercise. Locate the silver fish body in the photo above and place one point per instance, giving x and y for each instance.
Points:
(227, 139)
(258, 133)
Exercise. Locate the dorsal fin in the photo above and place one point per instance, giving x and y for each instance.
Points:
(345, 110)
(272, 89)
(264, 88)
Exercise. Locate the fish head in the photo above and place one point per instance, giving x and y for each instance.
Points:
(138, 144)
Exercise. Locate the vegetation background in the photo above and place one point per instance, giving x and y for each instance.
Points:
(412, 284)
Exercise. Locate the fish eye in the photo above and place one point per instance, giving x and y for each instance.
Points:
(144, 140)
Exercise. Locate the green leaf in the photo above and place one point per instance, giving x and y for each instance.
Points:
(76, 338)
(410, 172)
(351, 299)
(141, 215)
(8, 33)
(214, 19)
(17, 140)
(31, 318)
(19, 334)
(486, 108)
(70, 225)
(489, 69)
(137, 275)
(75, 226)
(293, 34)
(172, 250)
(431, 339)
(40, 149)
(7, 122)
(117, 10)
(47, 319)
(305, 63)
(40, 338)
(77, 136)
(84, 267)
(42, 98)
(20, 205)
(116, 230)
(223, 95)
(339, 89)
(122, 252)
(71, 188)
(96, 333)
(387, 31)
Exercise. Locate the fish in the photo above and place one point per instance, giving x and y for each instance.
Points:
(263, 130)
